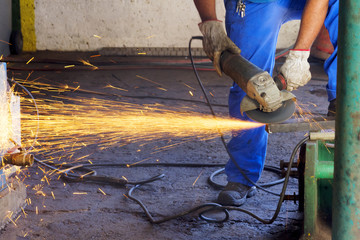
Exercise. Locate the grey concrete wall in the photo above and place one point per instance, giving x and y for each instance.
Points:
(5, 26)
(93, 24)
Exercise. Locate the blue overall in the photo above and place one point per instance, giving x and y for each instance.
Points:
(256, 35)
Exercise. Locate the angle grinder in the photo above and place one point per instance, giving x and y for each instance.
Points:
(267, 101)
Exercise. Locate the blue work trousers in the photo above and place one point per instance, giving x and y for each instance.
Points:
(256, 35)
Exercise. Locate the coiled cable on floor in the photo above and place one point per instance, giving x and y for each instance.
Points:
(214, 207)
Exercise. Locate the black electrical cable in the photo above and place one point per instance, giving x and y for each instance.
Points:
(91, 175)
(218, 207)
(208, 206)
(216, 185)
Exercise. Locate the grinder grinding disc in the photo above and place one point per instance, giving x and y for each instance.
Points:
(281, 114)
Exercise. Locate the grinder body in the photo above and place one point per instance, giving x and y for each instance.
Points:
(264, 93)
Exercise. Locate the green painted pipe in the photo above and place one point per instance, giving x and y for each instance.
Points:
(324, 170)
(346, 194)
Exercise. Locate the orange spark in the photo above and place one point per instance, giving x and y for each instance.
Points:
(102, 191)
(111, 86)
(11, 220)
(5, 42)
(30, 60)
(25, 214)
(189, 86)
(146, 79)
(87, 63)
(69, 66)
(197, 178)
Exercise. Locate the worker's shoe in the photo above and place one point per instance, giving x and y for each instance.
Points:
(235, 194)
(332, 108)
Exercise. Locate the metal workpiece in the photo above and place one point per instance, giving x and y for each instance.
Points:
(294, 125)
(346, 197)
(324, 136)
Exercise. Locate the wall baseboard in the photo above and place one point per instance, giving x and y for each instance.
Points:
(152, 51)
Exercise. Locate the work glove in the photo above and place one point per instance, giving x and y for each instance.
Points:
(296, 69)
(215, 42)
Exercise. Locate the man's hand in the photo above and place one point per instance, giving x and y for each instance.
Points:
(216, 41)
(296, 69)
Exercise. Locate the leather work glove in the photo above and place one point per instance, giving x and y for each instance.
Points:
(296, 69)
(216, 41)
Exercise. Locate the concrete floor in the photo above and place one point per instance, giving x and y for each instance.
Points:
(114, 216)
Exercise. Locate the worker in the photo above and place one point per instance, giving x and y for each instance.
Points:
(253, 26)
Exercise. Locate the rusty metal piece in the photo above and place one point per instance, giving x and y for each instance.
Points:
(19, 159)
(283, 167)
(294, 198)
(284, 164)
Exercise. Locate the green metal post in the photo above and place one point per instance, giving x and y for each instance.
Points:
(311, 191)
(346, 194)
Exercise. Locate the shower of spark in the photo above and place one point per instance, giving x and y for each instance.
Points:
(67, 124)
(305, 114)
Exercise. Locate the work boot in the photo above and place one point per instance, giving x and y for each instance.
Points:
(235, 194)
(332, 108)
